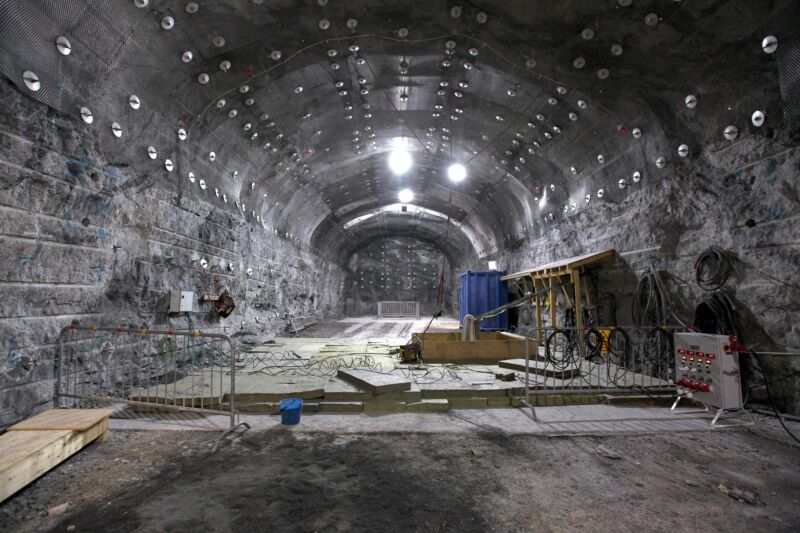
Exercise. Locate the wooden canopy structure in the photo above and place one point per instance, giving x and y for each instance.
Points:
(550, 276)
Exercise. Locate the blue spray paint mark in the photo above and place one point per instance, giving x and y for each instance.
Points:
(98, 271)
(78, 165)
(13, 357)
(101, 234)
(112, 173)
(777, 212)
(24, 261)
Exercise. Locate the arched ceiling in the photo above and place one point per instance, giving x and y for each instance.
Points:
(302, 101)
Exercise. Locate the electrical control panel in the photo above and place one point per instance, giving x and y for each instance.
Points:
(180, 301)
(707, 369)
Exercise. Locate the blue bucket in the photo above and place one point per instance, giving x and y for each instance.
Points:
(290, 411)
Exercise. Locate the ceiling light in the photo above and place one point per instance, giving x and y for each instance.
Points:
(456, 172)
(400, 161)
(405, 196)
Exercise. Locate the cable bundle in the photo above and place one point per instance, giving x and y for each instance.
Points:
(716, 314)
(712, 268)
(651, 303)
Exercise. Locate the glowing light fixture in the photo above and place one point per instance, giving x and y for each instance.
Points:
(456, 172)
(400, 161)
(405, 196)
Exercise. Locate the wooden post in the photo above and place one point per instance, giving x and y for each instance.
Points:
(576, 283)
(589, 304)
(553, 303)
(537, 287)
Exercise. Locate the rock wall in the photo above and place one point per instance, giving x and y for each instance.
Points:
(88, 239)
(743, 198)
(402, 269)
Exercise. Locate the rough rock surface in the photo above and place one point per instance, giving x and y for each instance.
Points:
(86, 240)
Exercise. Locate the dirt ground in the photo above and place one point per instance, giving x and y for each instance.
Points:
(745, 480)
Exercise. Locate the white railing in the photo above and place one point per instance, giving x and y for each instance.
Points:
(398, 310)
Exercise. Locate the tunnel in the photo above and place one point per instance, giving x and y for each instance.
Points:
(311, 158)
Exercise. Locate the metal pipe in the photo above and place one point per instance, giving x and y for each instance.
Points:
(516, 303)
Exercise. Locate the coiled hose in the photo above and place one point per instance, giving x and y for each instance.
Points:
(712, 268)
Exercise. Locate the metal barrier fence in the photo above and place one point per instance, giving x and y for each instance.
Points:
(181, 370)
(565, 360)
(392, 309)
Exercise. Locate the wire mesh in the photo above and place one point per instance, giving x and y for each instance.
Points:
(183, 370)
(28, 33)
(602, 359)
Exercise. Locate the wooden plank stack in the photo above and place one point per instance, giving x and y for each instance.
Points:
(34, 446)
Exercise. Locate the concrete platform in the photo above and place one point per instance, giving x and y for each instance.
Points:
(312, 368)
(552, 421)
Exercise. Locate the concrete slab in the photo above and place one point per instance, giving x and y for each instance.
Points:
(468, 403)
(387, 406)
(341, 407)
(374, 382)
(540, 368)
(428, 406)
(564, 420)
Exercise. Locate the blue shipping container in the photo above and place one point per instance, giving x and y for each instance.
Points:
(481, 292)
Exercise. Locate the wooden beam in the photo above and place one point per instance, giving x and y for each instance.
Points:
(472, 352)
(73, 419)
(564, 266)
(27, 454)
(589, 306)
(541, 368)
(576, 282)
(375, 382)
(537, 287)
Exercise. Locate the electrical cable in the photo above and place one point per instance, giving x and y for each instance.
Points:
(771, 400)
(712, 268)
(651, 305)
(715, 314)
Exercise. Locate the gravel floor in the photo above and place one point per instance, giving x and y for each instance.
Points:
(745, 480)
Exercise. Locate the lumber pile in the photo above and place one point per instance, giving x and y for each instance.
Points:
(34, 446)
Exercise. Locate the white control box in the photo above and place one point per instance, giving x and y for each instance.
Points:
(180, 301)
(707, 367)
